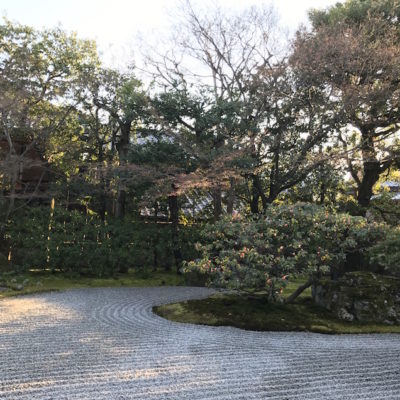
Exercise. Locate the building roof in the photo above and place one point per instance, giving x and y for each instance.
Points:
(391, 184)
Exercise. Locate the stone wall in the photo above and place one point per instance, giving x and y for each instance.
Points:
(361, 296)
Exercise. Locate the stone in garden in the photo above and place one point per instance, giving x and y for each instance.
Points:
(365, 296)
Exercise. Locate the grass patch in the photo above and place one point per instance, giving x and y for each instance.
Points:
(44, 281)
(254, 313)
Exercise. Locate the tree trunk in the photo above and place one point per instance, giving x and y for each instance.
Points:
(231, 197)
(12, 164)
(273, 194)
(156, 240)
(102, 180)
(121, 200)
(371, 171)
(174, 219)
(257, 193)
(322, 193)
(299, 290)
(370, 177)
(122, 148)
(13, 185)
(274, 175)
(103, 202)
(217, 202)
(255, 197)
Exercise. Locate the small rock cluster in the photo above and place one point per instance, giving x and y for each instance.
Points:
(361, 296)
(14, 284)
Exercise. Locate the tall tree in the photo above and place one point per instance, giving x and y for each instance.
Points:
(289, 133)
(122, 97)
(224, 50)
(352, 54)
(41, 77)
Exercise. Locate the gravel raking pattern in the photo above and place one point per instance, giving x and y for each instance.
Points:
(106, 344)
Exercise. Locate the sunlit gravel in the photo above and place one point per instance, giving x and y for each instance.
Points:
(107, 344)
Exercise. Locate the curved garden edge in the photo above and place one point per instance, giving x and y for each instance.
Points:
(302, 316)
(254, 313)
(46, 281)
(217, 310)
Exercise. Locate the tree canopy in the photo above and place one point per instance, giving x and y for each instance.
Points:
(232, 121)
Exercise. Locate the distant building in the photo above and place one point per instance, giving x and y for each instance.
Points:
(33, 177)
(392, 188)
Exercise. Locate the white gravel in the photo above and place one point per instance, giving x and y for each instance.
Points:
(107, 344)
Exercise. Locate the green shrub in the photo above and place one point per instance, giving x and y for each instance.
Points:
(384, 208)
(4, 264)
(27, 237)
(260, 252)
(386, 253)
(78, 243)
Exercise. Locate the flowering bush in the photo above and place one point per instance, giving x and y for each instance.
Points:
(261, 252)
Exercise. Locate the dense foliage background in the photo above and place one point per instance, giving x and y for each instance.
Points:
(266, 163)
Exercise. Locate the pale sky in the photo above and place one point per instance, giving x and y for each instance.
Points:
(115, 24)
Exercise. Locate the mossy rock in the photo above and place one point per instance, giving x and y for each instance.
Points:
(361, 296)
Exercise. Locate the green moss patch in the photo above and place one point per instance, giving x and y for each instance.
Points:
(254, 313)
(44, 281)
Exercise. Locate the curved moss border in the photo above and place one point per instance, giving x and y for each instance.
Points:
(256, 314)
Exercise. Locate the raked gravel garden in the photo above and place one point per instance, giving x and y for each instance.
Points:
(106, 343)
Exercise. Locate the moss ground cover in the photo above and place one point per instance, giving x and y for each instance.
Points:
(43, 281)
(254, 313)
(242, 311)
